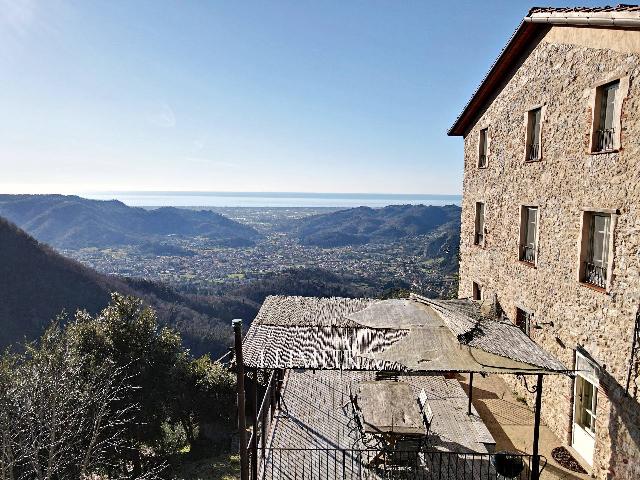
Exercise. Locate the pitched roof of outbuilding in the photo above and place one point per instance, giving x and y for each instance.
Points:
(536, 23)
(399, 335)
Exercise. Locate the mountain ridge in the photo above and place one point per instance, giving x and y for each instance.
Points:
(69, 221)
(363, 225)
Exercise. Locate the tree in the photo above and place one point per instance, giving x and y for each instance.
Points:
(203, 399)
(60, 419)
(126, 333)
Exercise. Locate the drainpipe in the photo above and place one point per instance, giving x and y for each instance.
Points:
(470, 392)
(242, 421)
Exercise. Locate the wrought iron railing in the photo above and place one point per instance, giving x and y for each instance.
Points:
(482, 161)
(604, 139)
(257, 444)
(595, 275)
(533, 152)
(478, 238)
(528, 254)
(351, 464)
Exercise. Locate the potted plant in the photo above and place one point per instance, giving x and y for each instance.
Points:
(508, 464)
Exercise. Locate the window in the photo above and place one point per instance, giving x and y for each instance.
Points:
(534, 118)
(478, 238)
(596, 260)
(529, 234)
(477, 291)
(605, 133)
(523, 321)
(585, 405)
(586, 392)
(483, 148)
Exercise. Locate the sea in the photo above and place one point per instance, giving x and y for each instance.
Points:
(271, 199)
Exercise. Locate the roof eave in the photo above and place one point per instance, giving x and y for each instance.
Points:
(516, 45)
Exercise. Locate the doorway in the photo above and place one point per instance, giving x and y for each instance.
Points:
(585, 404)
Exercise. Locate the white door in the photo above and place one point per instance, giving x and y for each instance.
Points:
(585, 404)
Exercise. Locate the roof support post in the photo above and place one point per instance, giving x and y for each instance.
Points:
(535, 461)
(470, 392)
(254, 429)
(242, 421)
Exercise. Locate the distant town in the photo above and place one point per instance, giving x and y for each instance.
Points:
(200, 266)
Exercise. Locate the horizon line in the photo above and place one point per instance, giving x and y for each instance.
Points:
(270, 193)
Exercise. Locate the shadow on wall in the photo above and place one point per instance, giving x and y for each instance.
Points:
(624, 429)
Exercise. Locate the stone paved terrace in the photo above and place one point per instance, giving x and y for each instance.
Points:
(510, 422)
(314, 422)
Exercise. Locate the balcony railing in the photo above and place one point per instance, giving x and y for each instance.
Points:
(352, 464)
(604, 139)
(482, 161)
(528, 254)
(595, 275)
(533, 152)
(478, 239)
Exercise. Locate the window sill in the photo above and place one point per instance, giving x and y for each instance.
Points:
(527, 264)
(595, 288)
(479, 245)
(527, 160)
(481, 168)
(603, 152)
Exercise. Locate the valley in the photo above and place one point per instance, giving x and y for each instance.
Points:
(424, 263)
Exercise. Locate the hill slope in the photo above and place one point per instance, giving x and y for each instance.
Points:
(357, 226)
(37, 284)
(74, 222)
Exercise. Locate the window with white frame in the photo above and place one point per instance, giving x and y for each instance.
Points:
(478, 237)
(529, 234)
(586, 392)
(534, 119)
(483, 149)
(595, 246)
(605, 117)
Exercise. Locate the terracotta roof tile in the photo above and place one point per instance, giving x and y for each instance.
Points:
(618, 8)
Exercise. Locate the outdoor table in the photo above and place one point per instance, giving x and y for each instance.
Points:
(390, 409)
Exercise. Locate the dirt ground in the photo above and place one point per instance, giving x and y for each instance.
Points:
(511, 423)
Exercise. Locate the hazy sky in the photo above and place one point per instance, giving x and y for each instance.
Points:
(308, 96)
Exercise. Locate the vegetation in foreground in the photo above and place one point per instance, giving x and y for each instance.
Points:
(110, 396)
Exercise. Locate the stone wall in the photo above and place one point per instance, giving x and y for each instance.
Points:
(567, 180)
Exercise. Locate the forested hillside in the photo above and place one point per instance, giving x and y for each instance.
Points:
(357, 226)
(37, 284)
(67, 221)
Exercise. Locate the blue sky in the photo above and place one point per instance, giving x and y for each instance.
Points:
(323, 96)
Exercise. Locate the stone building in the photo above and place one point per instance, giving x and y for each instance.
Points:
(551, 216)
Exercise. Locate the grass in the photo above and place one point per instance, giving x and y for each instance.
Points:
(221, 467)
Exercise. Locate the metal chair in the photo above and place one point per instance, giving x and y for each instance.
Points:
(427, 413)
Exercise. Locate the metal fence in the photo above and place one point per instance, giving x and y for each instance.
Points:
(330, 464)
(534, 152)
(595, 275)
(528, 254)
(605, 139)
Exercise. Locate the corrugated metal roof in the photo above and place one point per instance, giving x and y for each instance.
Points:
(398, 335)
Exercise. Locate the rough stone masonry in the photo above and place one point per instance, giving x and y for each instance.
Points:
(560, 74)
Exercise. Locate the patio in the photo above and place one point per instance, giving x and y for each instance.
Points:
(318, 352)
